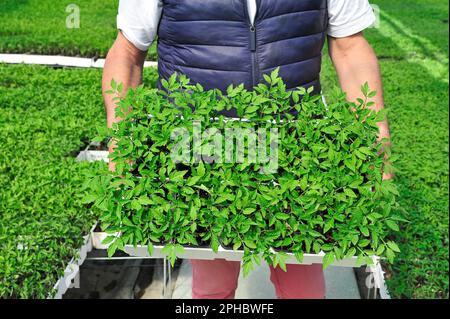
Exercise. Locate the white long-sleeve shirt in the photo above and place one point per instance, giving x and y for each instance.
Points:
(138, 19)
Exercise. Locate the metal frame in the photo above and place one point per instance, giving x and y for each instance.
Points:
(375, 281)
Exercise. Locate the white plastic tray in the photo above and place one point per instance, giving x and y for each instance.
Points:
(93, 156)
(232, 255)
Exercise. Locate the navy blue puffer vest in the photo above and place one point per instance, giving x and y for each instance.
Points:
(214, 43)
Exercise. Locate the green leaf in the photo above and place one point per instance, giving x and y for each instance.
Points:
(221, 199)
(250, 244)
(201, 170)
(364, 231)
(364, 243)
(248, 211)
(150, 249)
(179, 249)
(127, 222)
(365, 150)
(89, 198)
(392, 225)
(177, 176)
(282, 264)
(390, 255)
(350, 164)
(328, 225)
(314, 233)
(136, 205)
(237, 245)
(299, 257)
(393, 246)
(193, 180)
(247, 267)
(328, 260)
(204, 188)
(331, 129)
(282, 216)
(193, 213)
(113, 248)
(251, 109)
(215, 243)
(108, 240)
(351, 252)
(350, 193)
(144, 200)
(380, 250)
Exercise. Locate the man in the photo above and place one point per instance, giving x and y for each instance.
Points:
(221, 42)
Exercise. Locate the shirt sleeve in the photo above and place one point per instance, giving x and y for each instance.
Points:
(348, 17)
(138, 20)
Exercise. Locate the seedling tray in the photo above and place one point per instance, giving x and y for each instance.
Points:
(92, 156)
(198, 253)
(203, 253)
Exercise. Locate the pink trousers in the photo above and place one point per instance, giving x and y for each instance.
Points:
(217, 279)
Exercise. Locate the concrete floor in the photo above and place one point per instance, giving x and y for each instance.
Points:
(340, 282)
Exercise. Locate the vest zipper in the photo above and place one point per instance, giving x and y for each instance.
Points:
(252, 38)
(253, 45)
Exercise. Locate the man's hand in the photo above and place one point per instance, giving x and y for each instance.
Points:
(356, 63)
(124, 64)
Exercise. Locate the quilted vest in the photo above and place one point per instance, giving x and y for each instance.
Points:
(215, 44)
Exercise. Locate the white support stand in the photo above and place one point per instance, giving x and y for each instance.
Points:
(71, 277)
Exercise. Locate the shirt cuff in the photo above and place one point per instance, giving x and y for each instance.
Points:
(138, 36)
(363, 22)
